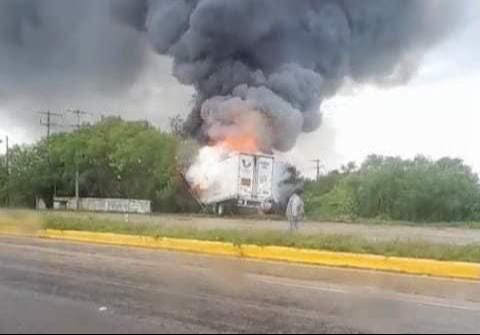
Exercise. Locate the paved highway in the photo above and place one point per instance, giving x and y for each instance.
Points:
(51, 286)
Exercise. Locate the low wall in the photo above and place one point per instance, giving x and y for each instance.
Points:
(104, 205)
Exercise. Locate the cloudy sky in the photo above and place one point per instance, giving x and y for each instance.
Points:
(435, 114)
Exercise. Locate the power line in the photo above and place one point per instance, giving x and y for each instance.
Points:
(7, 155)
(78, 114)
(49, 124)
(318, 166)
(7, 163)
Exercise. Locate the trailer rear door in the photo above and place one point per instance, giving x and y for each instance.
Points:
(264, 177)
(246, 175)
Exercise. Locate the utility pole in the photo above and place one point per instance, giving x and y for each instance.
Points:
(7, 156)
(7, 163)
(318, 165)
(79, 114)
(48, 123)
(77, 188)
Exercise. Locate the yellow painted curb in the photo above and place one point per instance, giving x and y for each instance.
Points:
(460, 270)
(214, 248)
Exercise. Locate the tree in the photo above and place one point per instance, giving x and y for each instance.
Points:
(390, 187)
(3, 182)
(116, 159)
(29, 176)
(177, 126)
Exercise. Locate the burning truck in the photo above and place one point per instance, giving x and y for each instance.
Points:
(236, 180)
(262, 69)
(234, 173)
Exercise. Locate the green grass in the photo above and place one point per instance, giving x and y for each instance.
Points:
(20, 219)
(340, 243)
(31, 221)
(390, 222)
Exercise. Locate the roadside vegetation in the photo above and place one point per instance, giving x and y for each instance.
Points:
(124, 159)
(115, 159)
(385, 189)
(34, 222)
(339, 243)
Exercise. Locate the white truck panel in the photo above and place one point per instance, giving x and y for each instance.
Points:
(246, 175)
(247, 178)
(264, 178)
(224, 187)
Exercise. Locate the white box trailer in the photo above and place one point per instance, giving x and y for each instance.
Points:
(247, 181)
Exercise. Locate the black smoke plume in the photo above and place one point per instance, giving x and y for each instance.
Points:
(277, 59)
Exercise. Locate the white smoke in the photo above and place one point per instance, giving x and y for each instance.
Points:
(206, 171)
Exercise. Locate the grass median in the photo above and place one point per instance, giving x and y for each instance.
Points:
(29, 222)
(339, 243)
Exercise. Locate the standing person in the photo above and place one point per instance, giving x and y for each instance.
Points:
(295, 210)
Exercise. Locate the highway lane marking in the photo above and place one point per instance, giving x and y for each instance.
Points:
(269, 280)
(375, 294)
(428, 302)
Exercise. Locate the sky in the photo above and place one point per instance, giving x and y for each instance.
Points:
(436, 114)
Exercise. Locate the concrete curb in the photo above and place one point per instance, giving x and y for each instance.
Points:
(459, 270)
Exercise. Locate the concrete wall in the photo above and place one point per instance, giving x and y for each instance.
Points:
(40, 204)
(104, 205)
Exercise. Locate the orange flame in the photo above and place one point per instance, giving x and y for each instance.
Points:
(246, 139)
(245, 143)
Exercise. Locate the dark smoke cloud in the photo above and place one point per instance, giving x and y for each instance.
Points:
(284, 57)
(280, 58)
(55, 50)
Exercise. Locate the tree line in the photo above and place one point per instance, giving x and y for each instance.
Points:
(391, 188)
(114, 158)
(124, 159)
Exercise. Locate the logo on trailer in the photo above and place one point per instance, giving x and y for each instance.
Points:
(246, 164)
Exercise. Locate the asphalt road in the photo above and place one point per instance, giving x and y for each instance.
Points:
(58, 287)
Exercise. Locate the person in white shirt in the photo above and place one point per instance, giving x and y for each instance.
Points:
(295, 210)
